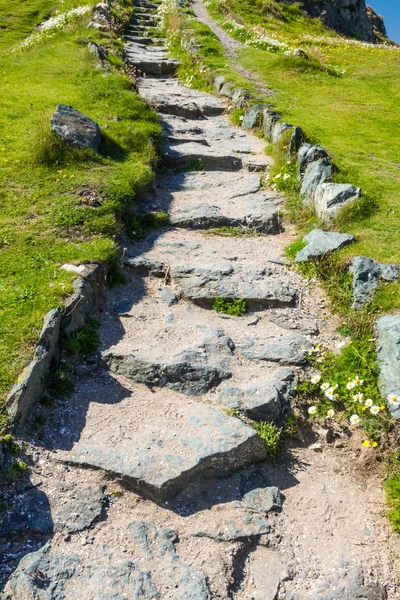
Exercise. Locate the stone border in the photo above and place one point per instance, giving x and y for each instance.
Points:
(89, 291)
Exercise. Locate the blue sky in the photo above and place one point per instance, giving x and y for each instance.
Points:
(390, 10)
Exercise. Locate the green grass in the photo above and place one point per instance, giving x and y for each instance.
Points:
(271, 434)
(44, 223)
(227, 306)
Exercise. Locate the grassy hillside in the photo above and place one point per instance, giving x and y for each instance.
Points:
(43, 220)
(345, 95)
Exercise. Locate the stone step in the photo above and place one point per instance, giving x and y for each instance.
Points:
(144, 41)
(160, 68)
(157, 444)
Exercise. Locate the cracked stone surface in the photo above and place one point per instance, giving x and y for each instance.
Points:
(141, 483)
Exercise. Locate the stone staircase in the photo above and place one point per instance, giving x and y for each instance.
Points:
(155, 414)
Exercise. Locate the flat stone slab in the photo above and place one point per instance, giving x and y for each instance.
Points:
(347, 584)
(287, 350)
(366, 276)
(158, 444)
(149, 570)
(388, 349)
(294, 319)
(75, 128)
(245, 525)
(151, 60)
(261, 400)
(226, 280)
(192, 370)
(322, 242)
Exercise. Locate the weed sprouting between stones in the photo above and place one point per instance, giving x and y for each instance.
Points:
(271, 434)
(85, 341)
(228, 306)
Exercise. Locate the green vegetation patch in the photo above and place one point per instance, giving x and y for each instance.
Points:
(235, 306)
(271, 434)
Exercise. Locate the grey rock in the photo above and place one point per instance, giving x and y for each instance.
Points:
(61, 577)
(269, 118)
(167, 295)
(278, 130)
(348, 585)
(192, 370)
(296, 140)
(201, 216)
(253, 116)
(245, 525)
(227, 89)
(366, 275)
(308, 154)
(123, 307)
(322, 242)
(218, 83)
(329, 198)
(184, 155)
(75, 128)
(204, 284)
(316, 173)
(240, 97)
(260, 400)
(83, 508)
(25, 394)
(294, 319)
(147, 266)
(388, 350)
(151, 60)
(289, 350)
(263, 500)
(79, 305)
(161, 461)
(97, 51)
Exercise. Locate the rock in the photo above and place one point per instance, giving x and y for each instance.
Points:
(78, 306)
(366, 274)
(75, 128)
(218, 83)
(201, 216)
(151, 60)
(287, 350)
(158, 570)
(329, 198)
(203, 284)
(245, 525)
(167, 296)
(260, 400)
(321, 242)
(388, 350)
(269, 118)
(377, 24)
(240, 97)
(294, 318)
(263, 500)
(316, 173)
(191, 370)
(98, 51)
(227, 89)
(308, 154)
(159, 453)
(296, 140)
(27, 391)
(252, 117)
(347, 584)
(146, 266)
(83, 508)
(278, 130)
(184, 155)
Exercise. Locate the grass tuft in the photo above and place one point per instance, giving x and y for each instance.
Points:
(227, 306)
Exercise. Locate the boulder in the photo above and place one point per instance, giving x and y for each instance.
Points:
(349, 17)
(316, 173)
(260, 400)
(97, 51)
(269, 118)
(296, 140)
(227, 89)
(308, 154)
(288, 350)
(218, 83)
(321, 242)
(294, 319)
(388, 350)
(329, 198)
(75, 128)
(366, 274)
(252, 117)
(278, 130)
(240, 97)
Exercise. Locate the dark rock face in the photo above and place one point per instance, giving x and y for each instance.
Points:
(349, 17)
(75, 128)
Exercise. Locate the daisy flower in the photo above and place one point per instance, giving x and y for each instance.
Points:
(316, 379)
(325, 386)
(355, 419)
(315, 446)
(330, 414)
(374, 410)
(358, 381)
(350, 385)
(368, 403)
(312, 410)
(358, 397)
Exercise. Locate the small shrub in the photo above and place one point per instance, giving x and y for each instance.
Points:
(230, 307)
(60, 384)
(84, 341)
(15, 469)
(271, 434)
(49, 149)
(11, 444)
(291, 425)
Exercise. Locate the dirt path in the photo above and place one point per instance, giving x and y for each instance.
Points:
(231, 46)
(143, 482)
